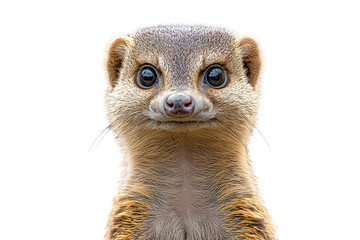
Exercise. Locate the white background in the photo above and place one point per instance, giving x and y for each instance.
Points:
(52, 84)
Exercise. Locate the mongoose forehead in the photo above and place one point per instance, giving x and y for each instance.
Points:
(181, 50)
(182, 43)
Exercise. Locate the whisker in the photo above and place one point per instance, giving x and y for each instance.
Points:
(252, 125)
(249, 126)
(263, 137)
(99, 138)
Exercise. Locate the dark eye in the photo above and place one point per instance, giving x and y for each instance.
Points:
(147, 77)
(215, 76)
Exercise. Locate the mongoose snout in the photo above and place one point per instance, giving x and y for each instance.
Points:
(179, 105)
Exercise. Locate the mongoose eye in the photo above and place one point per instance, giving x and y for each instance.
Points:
(215, 76)
(147, 77)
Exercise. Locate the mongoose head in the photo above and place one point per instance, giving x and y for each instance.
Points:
(181, 78)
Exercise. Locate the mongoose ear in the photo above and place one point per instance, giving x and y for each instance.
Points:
(251, 59)
(116, 55)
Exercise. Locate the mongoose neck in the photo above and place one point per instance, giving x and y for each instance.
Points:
(197, 146)
(216, 157)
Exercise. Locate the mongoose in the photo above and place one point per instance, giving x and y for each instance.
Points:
(182, 102)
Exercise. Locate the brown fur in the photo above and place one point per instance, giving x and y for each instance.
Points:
(185, 178)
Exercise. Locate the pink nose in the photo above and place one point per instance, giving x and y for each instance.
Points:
(179, 105)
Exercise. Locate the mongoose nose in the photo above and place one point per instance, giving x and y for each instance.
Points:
(179, 105)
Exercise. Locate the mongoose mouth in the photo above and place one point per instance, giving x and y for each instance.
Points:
(186, 125)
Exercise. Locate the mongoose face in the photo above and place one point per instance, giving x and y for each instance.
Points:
(182, 78)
